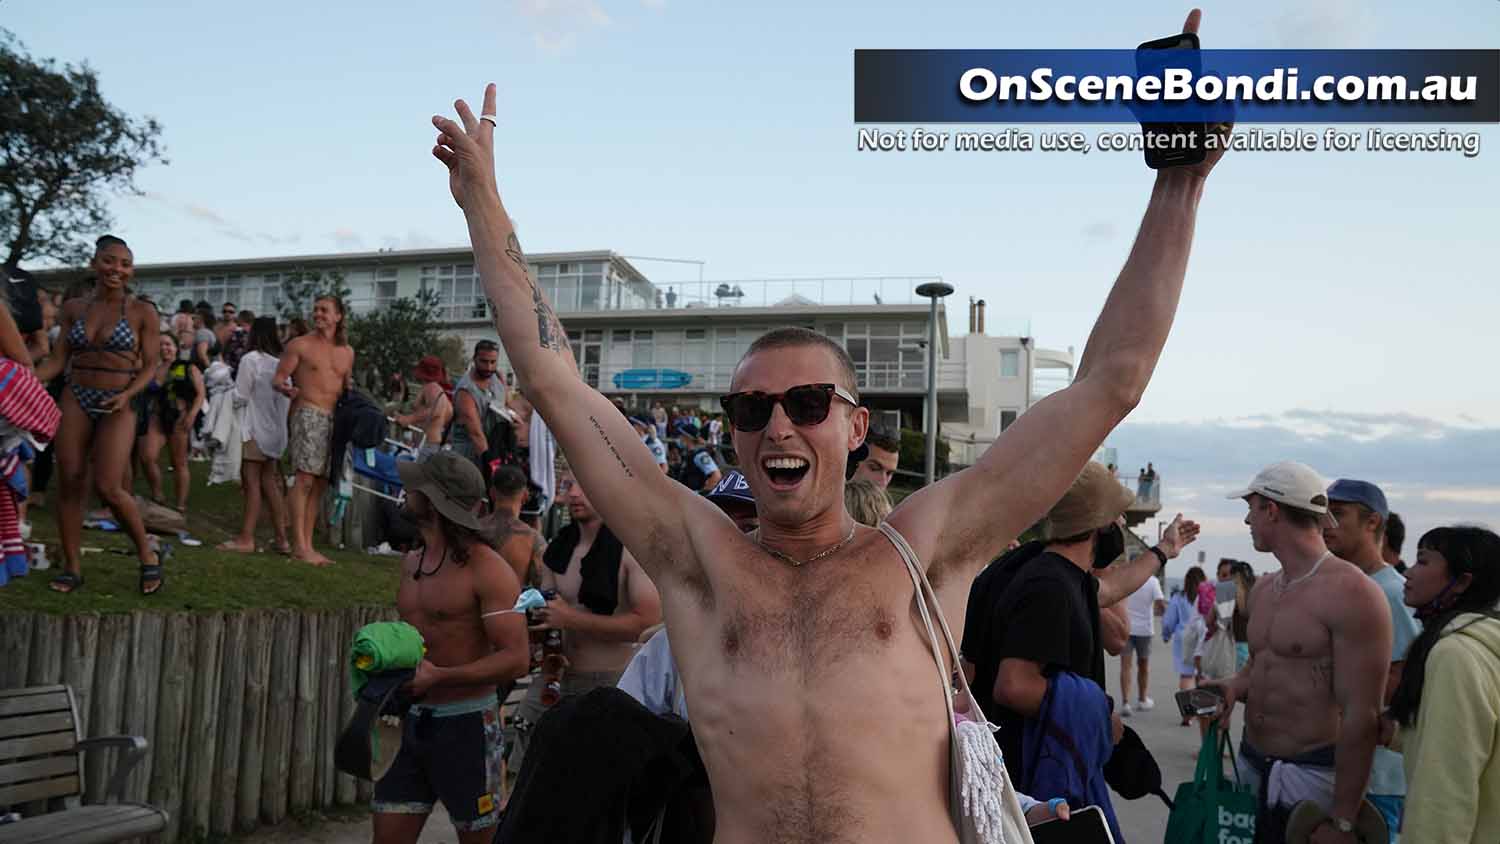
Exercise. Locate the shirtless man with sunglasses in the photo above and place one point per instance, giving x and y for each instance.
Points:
(784, 636)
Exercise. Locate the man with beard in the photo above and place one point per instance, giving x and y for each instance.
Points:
(473, 395)
(783, 637)
(458, 593)
(879, 463)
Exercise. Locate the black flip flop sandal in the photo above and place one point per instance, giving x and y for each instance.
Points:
(74, 582)
(150, 575)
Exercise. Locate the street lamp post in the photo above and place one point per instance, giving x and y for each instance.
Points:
(933, 290)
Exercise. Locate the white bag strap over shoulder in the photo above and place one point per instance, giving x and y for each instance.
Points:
(985, 792)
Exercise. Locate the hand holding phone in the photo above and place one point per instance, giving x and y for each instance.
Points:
(1172, 144)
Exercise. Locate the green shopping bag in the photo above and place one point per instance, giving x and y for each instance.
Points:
(1211, 809)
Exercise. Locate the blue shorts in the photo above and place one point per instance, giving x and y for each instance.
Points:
(449, 752)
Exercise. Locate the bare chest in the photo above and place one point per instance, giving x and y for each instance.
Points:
(1290, 625)
(325, 360)
(815, 621)
(438, 597)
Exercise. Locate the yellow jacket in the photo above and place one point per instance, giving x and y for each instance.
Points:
(1452, 753)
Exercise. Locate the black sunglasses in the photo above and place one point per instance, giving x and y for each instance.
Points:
(805, 404)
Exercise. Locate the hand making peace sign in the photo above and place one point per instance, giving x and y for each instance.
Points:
(468, 150)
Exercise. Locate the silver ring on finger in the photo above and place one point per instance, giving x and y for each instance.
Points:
(490, 118)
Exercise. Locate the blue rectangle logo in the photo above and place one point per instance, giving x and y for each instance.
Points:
(1176, 86)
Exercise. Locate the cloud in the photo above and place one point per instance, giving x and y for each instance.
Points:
(1323, 25)
(346, 239)
(413, 239)
(557, 23)
(222, 226)
(1099, 230)
(1432, 471)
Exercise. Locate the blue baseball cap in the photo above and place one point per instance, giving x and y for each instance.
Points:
(642, 421)
(687, 428)
(1359, 492)
(732, 487)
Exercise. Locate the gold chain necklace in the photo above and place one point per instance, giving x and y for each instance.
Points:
(814, 558)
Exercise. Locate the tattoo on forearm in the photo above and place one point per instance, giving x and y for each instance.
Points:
(548, 330)
(611, 447)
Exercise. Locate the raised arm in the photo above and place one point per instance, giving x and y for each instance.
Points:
(649, 512)
(1120, 581)
(966, 520)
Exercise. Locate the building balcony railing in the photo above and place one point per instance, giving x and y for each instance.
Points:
(698, 378)
(792, 292)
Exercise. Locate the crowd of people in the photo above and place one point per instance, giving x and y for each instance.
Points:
(740, 638)
(788, 599)
(127, 381)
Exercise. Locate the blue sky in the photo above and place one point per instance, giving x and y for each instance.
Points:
(1324, 287)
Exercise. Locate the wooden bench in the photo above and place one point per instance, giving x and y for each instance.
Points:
(40, 766)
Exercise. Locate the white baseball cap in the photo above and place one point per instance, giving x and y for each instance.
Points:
(1293, 484)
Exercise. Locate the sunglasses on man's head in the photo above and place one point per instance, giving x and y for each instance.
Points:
(805, 404)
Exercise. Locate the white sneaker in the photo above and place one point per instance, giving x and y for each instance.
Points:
(1124, 710)
(1146, 705)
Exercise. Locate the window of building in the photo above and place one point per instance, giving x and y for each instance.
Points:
(1007, 418)
(1010, 363)
(460, 292)
(642, 350)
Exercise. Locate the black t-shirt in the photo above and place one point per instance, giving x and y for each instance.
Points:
(1033, 605)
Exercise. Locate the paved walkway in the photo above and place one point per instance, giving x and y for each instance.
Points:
(1142, 821)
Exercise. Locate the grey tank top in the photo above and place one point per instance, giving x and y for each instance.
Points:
(482, 399)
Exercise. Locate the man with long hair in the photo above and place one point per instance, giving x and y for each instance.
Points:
(460, 595)
(315, 370)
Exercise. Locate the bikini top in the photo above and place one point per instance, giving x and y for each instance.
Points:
(120, 341)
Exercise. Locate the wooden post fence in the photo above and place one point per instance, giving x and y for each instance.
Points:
(241, 710)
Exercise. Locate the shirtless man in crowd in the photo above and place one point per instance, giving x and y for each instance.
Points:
(456, 591)
(315, 370)
(600, 625)
(514, 540)
(432, 410)
(785, 636)
(1320, 647)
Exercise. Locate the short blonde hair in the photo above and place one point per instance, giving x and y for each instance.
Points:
(866, 502)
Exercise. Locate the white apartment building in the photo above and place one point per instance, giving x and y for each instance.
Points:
(678, 342)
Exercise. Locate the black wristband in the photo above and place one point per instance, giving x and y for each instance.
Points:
(1160, 555)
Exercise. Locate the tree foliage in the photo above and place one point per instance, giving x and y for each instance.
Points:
(300, 288)
(393, 338)
(63, 149)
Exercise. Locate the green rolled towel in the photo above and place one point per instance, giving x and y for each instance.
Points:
(383, 646)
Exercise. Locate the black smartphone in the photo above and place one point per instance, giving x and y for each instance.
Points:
(1083, 826)
(1171, 144)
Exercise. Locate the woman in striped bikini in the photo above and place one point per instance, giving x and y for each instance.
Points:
(106, 350)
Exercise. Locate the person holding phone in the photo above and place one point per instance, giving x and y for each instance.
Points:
(813, 607)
